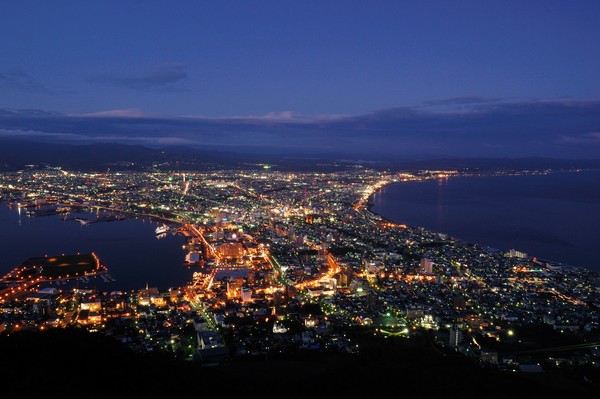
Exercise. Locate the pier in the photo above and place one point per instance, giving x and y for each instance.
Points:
(29, 275)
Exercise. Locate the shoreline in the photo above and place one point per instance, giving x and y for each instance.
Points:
(369, 207)
(370, 204)
(122, 272)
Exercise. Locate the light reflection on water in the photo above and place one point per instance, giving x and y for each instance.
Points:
(554, 216)
(129, 248)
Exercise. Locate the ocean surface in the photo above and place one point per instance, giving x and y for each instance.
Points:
(129, 248)
(553, 217)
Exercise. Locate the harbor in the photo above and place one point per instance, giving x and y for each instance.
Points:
(127, 244)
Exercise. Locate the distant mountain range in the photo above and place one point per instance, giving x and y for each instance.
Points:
(23, 154)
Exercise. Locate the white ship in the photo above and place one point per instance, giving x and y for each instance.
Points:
(162, 229)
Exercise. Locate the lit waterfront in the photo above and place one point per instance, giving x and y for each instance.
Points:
(129, 248)
(552, 216)
(296, 260)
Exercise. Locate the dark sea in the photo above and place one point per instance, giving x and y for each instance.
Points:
(552, 217)
(129, 248)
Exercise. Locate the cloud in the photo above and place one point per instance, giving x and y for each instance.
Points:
(285, 117)
(118, 113)
(19, 80)
(161, 80)
(464, 100)
(587, 138)
(6, 133)
(74, 138)
(563, 128)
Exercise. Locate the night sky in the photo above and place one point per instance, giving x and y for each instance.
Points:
(396, 78)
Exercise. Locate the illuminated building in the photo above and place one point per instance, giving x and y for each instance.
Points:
(246, 294)
(513, 253)
(234, 286)
(192, 257)
(232, 250)
(174, 296)
(93, 306)
(426, 266)
(279, 328)
(455, 337)
(150, 296)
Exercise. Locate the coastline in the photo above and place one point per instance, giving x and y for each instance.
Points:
(495, 240)
(369, 207)
(112, 242)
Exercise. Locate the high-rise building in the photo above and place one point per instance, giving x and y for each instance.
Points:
(427, 266)
(231, 250)
(246, 295)
(455, 337)
(234, 287)
(513, 253)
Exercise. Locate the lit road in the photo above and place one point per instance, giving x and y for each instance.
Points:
(208, 316)
(199, 234)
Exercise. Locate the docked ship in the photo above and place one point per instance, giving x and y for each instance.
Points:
(162, 229)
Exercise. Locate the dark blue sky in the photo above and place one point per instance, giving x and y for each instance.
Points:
(413, 78)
